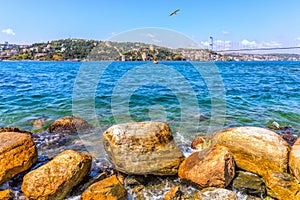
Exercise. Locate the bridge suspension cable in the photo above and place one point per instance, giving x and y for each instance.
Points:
(257, 49)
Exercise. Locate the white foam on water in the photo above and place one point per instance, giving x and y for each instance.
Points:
(74, 198)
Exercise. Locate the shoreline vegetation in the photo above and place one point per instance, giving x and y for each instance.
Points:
(92, 50)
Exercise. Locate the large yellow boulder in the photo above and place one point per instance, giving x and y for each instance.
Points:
(56, 178)
(17, 154)
(294, 161)
(256, 150)
(213, 167)
(142, 148)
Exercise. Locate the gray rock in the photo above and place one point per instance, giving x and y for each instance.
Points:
(249, 183)
(215, 194)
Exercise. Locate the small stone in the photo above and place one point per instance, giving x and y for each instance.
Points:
(249, 183)
(69, 124)
(174, 194)
(289, 138)
(106, 189)
(200, 143)
(40, 122)
(91, 182)
(253, 198)
(17, 154)
(55, 179)
(132, 181)
(6, 195)
(282, 186)
(215, 194)
(213, 167)
(201, 117)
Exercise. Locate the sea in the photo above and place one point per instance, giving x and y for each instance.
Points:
(245, 93)
(194, 98)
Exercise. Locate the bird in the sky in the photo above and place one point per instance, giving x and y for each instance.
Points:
(173, 13)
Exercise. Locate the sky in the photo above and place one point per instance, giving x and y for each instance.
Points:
(231, 23)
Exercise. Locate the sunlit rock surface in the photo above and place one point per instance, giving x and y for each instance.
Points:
(17, 154)
(255, 149)
(142, 148)
(56, 178)
(212, 167)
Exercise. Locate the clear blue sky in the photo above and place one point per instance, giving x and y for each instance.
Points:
(250, 22)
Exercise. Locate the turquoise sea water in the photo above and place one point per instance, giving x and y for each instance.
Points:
(224, 94)
(194, 98)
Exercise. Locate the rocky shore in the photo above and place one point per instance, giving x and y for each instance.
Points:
(236, 163)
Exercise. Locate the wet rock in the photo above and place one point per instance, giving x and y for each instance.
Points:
(55, 179)
(174, 194)
(16, 182)
(109, 188)
(40, 124)
(215, 194)
(69, 124)
(13, 129)
(200, 143)
(254, 198)
(282, 186)
(6, 195)
(212, 167)
(256, 150)
(289, 138)
(17, 154)
(186, 149)
(85, 183)
(273, 125)
(249, 183)
(142, 148)
(201, 117)
(135, 183)
(97, 179)
(294, 160)
(144, 188)
(286, 132)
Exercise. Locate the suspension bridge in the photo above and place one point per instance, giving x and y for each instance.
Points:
(228, 46)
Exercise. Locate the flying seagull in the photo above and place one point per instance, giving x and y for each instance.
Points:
(173, 13)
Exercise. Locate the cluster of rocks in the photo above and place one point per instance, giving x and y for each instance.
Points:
(55, 179)
(254, 160)
(262, 155)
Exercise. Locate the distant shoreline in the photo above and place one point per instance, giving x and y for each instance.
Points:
(75, 50)
(159, 61)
